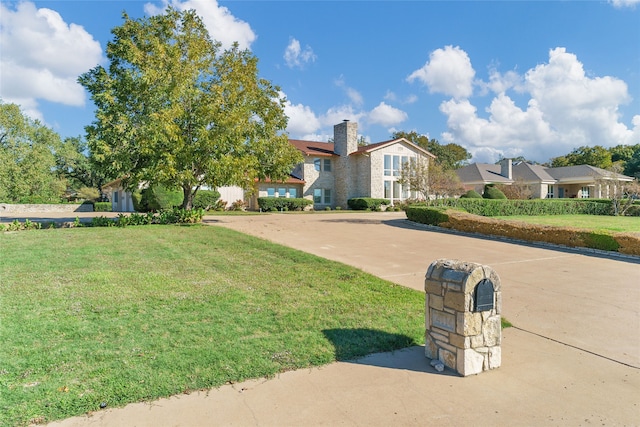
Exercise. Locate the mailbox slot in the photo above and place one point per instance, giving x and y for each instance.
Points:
(483, 299)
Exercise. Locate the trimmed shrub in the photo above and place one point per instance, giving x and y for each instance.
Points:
(275, 204)
(471, 194)
(364, 203)
(492, 193)
(158, 198)
(427, 215)
(206, 199)
(102, 207)
(487, 207)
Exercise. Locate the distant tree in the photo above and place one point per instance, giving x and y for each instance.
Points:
(622, 193)
(175, 110)
(597, 156)
(518, 190)
(27, 159)
(74, 164)
(450, 156)
(430, 179)
(361, 141)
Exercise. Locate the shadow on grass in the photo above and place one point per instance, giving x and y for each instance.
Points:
(381, 349)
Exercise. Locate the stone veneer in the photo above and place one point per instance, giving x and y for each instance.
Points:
(464, 340)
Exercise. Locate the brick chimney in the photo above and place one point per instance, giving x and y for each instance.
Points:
(345, 138)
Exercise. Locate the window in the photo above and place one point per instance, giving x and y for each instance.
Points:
(387, 189)
(322, 165)
(271, 192)
(550, 192)
(387, 165)
(322, 196)
(293, 193)
(585, 193)
(282, 192)
(115, 196)
(327, 165)
(316, 164)
(393, 164)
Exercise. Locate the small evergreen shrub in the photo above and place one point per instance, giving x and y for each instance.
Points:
(367, 203)
(158, 198)
(427, 215)
(102, 207)
(276, 204)
(471, 194)
(206, 199)
(492, 193)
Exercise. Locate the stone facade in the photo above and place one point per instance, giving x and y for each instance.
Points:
(10, 208)
(459, 334)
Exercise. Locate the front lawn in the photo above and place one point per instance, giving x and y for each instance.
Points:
(618, 224)
(108, 316)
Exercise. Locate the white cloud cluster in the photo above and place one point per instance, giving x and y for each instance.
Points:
(42, 57)
(295, 56)
(448, 71)
(566, 108)
(221, 24)
(624, 3)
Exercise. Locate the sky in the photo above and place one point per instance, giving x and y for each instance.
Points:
(501, 78)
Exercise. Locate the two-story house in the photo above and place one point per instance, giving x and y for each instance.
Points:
(333, 173)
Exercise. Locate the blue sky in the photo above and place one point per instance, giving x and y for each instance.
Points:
(501, 78)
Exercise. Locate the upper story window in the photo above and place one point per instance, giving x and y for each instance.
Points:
(322, 164)
(393, 164)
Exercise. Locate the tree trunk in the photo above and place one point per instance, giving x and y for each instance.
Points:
(187, 201)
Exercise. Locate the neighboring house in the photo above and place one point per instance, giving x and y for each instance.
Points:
(330, 174)
(333, 173)
(581, 181)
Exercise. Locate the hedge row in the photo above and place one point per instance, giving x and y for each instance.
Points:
(367, 203)
(275, 204)
(462, 221)
(486, 207)
(102, 206)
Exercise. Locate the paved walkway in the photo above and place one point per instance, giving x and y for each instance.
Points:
(573, 358)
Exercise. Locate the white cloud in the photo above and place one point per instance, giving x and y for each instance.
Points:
(354, 96)
(302, 120)
(335, 115)
(566, 109)
(386, 115)
(295, 56)
(42, 57)
(448, 71)
(624, 3)
(221, 24)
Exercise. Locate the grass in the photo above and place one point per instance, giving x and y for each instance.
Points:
(625, 224)
(109, 316)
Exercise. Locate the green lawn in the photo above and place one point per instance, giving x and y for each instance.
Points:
(626, 224)
(113, 315)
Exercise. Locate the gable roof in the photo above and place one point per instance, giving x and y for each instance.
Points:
(314, 148)
(482, 172)
(582, 172)
(378, 145)
(530, 173)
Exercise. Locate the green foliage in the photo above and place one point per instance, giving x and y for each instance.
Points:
(102, 221)
(471, 194)
(188, 113)
(16, 225)
(487, 207)
(600, 240)
(493, 193)
(367, 203)
(427, 215)
(102, 207)
(27, 159)
(206, 199)
(158, 198)
(238, 205)
(597, 156)
(274, 204)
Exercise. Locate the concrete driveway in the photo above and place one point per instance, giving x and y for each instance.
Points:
(573, 358)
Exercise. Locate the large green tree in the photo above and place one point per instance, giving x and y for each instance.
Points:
(27, 159)
(597, 156)
(449, 156)
(175, 109)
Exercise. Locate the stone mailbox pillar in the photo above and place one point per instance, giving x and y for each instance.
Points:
(462, 316)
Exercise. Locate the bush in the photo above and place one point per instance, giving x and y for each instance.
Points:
(206, 199)
(158, 198)
(487, 207)
(367, 203)
(471, 194)
(88, 193)
(427, 215)
(102, 207)
(492, 193)
(275, 204)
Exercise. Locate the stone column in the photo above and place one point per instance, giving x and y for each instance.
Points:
(462, 316)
